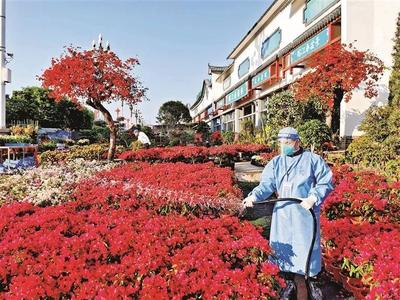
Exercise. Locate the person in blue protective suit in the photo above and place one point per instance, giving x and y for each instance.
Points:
(295, 173)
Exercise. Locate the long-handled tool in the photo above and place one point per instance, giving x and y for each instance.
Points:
(308, 262)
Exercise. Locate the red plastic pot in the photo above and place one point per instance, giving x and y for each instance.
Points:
(356, 287)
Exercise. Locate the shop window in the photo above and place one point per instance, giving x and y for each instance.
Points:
(219, 104)
(248, 110)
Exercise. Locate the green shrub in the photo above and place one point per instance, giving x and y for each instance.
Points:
(336, 157)
(187, 137)
(47, 146)
(392, 169)
(314, 109)
(228, 137)
(283, 110)
(204, 129)
(125, 138)
(267, 135)
(96, 135)
(7, 139)
(364, 150)
(314, 133)
(246, 135)
(89, 152)
(393, 121)
(375, 123)
(174, 142)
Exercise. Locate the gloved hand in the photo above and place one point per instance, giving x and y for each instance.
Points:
(308, 202)
(248, 201)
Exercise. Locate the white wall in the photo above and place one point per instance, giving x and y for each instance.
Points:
(217, 89)
(290, 21)
(204, 103)
(372, 23)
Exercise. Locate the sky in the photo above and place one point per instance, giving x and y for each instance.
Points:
(173, 40)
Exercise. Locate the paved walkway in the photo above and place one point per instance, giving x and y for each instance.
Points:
(245, 171)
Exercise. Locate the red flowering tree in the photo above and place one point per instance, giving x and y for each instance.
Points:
(94, 77)
(335, 73)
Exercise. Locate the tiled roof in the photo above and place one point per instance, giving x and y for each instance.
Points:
(217, 69)
(206, 83)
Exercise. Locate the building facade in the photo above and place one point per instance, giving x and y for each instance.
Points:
(271, 56)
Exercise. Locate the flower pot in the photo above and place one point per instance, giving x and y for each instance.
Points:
(356, 220)
(356, 287)
(328, 261)
(343, 278)
(335, 272)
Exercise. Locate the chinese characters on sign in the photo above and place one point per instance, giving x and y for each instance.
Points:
(310, 46)
(260, 77)
(237, 93)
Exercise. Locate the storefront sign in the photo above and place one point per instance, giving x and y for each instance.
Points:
(260, 77)
(237, 93)
(310, 46)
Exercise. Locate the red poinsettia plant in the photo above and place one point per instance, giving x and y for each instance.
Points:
(115, 242)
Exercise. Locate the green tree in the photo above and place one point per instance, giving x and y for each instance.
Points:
(375, 123)
(314, 133)
(172, 113)
(203, 128)
(283, 110)
(34, 103)
(394, 81)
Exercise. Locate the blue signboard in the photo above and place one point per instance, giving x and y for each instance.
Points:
(260, 77)
(237, 93)
(310, 46)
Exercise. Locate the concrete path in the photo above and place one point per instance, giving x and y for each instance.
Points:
(246, 172)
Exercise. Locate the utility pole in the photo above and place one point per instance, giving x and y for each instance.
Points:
(5, 74)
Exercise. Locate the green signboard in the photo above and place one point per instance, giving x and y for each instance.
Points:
(310, 46)
(237, 93)
(260, 77)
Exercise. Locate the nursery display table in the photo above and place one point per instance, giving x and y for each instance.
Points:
(13, 150)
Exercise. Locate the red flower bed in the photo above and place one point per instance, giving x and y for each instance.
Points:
(199, 188)
(364, 196)
(361, 233)
(113, 242)
(191, 153)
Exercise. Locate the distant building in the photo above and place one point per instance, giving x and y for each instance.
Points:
(271, 56)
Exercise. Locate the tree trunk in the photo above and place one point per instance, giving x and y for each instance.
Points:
(110, 122)
(328, 119)
(333, 114)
